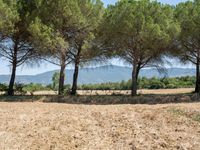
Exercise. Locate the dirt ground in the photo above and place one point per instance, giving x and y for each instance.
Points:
(141, 91)
(99, 127)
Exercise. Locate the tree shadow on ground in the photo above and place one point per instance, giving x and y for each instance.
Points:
(106, 100)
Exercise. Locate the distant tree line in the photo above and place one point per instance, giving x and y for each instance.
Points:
(143, 83)
(80, 32)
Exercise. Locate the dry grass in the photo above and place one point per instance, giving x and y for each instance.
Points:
(119, 92)
(167, 91)
(117, 127)
(142, 91)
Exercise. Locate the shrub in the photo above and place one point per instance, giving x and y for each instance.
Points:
(3, 87)
(144, 83)
(18, 88)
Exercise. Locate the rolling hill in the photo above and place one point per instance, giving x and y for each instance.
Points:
(99, 75)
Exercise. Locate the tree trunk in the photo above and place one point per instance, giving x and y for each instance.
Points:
(75, 80)
(62, 77)
(135, 74)
(13, 74)
(197, 88)
(76, 71)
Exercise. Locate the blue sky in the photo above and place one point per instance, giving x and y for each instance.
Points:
(25, 70)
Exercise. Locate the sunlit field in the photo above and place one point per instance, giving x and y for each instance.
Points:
(62, 126)
(72, 95)
(143, 91)
(117, 92)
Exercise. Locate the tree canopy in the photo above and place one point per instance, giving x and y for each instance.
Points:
(188, 15)
(63, 32)
(16, 45)
(8, 17)
(139, 32)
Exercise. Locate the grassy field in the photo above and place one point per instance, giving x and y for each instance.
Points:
(118, 127)
(167, 120)
(142, 91)
(119, 92)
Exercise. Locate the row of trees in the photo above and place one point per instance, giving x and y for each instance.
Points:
(143, 83)
(78, 32)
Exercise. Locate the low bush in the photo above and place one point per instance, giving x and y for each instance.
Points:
(144, 83)
(18, 88)
(35, 87)
(3, 87)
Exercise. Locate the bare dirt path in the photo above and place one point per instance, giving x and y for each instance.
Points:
(119, 127)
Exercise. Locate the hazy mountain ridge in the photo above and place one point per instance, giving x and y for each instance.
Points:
(99, 75)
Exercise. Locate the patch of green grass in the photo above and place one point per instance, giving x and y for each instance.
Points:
(195, 116)
(177, 112)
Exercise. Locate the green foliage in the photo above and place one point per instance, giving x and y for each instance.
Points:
(66, 25)
(35, 87)
(19, 88)
(167, 83)
(67, 89)
(41, 36)
(83, 40)
(8, 17)
(191, 115)
(197, 117)
(3, 87)
(140, 32)
(188, 14)
(55, 80)
(55, 19)
(145, 83)
(65, 31)
(132, 29)
(32, 87)
(55, 83)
